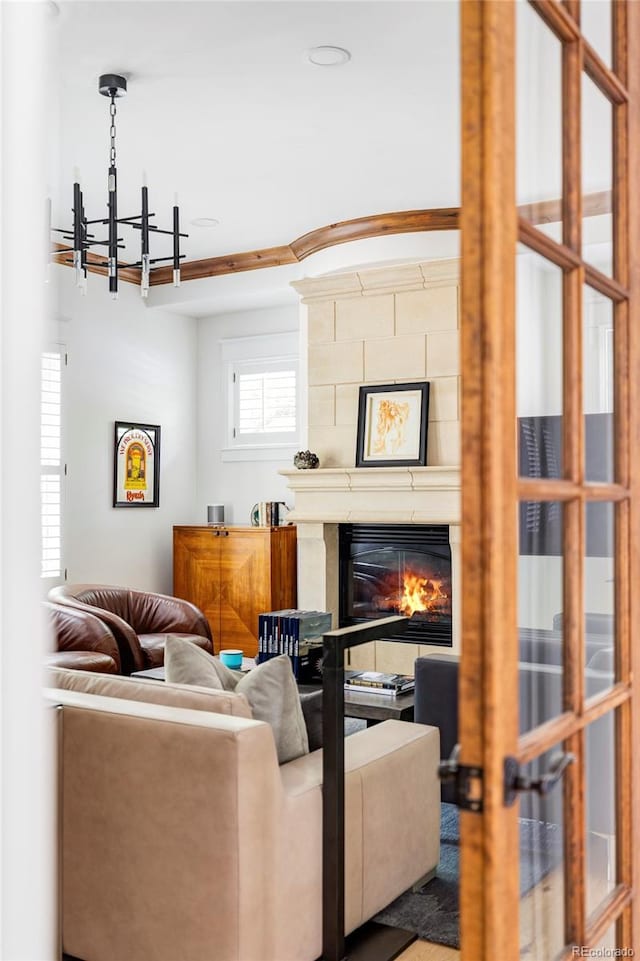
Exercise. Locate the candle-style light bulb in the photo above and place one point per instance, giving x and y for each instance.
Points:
(76, 175)
(176, 242)
(144, 179)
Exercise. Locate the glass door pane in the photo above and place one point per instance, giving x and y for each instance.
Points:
(597, 166)
(538, 365)
(538, 122)
(598, 373)
(599, 598)
(600, 810)
(542, 868)
(595, 24)
(540, 603)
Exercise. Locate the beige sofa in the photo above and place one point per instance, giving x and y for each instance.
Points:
(183, 840)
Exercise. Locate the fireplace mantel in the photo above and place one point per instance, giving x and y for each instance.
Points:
(378, 495)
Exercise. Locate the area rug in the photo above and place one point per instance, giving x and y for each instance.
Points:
(433, 912)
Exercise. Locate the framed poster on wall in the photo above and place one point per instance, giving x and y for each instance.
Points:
(136, 465)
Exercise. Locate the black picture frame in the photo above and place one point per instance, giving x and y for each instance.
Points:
(136, 464)
(401, 425)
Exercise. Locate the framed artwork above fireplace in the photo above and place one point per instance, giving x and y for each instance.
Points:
(392, 425)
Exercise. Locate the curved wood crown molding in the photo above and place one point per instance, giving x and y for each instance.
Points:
(362, 228)
(377, 225)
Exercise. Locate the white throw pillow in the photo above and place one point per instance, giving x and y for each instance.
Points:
(270, 688)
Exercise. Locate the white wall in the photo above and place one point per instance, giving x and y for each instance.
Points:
(237, 485)
(126, 362)
(28, 909)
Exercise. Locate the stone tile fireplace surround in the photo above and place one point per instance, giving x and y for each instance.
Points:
(392, 324)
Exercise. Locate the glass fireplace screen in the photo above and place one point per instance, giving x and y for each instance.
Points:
(397, 569)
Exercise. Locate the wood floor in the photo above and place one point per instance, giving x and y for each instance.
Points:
(424, 951)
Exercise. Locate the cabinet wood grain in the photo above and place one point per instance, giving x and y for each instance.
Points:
(233, 574)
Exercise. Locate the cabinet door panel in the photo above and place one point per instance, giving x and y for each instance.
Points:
(196, 575)
(244, 588)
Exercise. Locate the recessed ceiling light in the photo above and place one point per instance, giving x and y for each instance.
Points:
(328, 56)
(205, 222)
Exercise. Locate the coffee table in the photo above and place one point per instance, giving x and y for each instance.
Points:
(379, 707)
(157, 673)
(371, 708)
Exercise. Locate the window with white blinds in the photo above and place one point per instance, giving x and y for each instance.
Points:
(266, 401)
(51, 466)
(262, 405)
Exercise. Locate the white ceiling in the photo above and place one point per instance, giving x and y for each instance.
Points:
(224, 108)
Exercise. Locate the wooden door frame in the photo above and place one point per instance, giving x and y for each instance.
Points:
(630, 924)
(488, 236)
(490, 488)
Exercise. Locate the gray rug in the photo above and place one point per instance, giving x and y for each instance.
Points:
(433, 912)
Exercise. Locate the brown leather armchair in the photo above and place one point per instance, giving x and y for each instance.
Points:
(83, 641)
(139, 620)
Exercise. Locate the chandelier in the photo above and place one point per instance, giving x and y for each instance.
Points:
(112, 85)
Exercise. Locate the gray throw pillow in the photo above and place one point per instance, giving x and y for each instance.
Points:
(273, 696)
(186, 663)
(270, 688)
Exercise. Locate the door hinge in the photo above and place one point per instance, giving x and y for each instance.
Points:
(468, 782)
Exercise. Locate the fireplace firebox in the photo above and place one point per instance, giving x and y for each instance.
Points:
(397, 569)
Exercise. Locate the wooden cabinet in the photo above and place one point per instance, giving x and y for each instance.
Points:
(233, 574)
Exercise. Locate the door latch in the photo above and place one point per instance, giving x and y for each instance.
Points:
(468, 781)
(515, 782)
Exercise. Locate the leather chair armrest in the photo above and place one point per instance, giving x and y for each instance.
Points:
(77, 630)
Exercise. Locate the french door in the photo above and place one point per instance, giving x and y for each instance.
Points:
(551, 473)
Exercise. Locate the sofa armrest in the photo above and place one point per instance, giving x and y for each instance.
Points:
(392, 829)
(167, 826)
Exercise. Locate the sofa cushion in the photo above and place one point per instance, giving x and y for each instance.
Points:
(270, 689)
(154, 692)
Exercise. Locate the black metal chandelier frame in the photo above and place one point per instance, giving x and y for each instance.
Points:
(114, 86)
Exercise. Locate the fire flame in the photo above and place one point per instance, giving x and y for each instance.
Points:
(421, 594)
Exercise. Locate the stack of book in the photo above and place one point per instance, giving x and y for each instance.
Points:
(375, 682)
(270, 513)
(297, 634)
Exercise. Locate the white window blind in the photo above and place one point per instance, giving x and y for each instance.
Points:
(266, 400)
(51, 466)
(262, 396)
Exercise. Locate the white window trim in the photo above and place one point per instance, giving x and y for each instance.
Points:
(271, 348)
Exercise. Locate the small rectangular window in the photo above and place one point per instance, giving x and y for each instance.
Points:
(262, 396)
(51, 467)
(265, 402)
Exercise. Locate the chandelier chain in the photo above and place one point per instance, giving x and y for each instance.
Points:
(112, 131)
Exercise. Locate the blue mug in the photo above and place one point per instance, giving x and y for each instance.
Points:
(232, 659)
